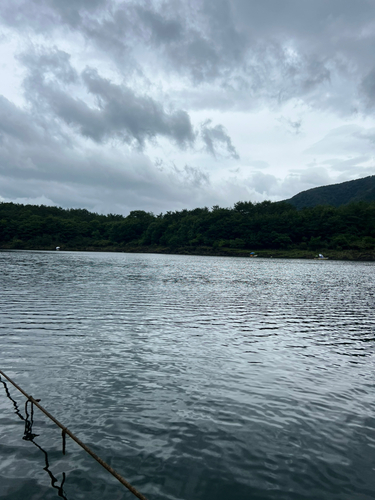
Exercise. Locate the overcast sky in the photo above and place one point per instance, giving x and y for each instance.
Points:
(163, 105)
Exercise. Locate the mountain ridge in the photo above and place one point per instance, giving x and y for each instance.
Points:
(336, 194)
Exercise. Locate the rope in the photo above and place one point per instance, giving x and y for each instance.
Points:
(65, 430)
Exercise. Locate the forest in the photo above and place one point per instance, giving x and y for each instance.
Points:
(266, 228)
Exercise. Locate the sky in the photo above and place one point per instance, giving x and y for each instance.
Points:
(154, 105)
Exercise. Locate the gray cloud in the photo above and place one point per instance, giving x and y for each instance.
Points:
(263, 183)
(192, 176)
(15, 123)
(46, 15)
(368, 89)
(70, 11)
(161, 29)
(44, 64)
(138, 116)
(89, 178)
(273, 51)
(103, 182)
(119, 111)
(346, 139)
(101, 75)
(217, 141)
(293, 126)
(36, 167)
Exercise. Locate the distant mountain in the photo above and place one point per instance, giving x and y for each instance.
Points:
(336, 194)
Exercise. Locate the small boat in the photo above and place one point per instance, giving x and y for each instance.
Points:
(253, 254)
(321, 257)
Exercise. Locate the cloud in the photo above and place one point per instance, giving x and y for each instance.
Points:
(344, 140)
(250, 51)
(138, 116)
(42, 15)
(292, 126)
(109, 84)
(15, 123)
(353, 164)
(37, 167)
(316, 176)
(368, 89)
(217, 141)
(299, 181)
(276, 188)
(263, 183)
(39, 200)
(162, 30)
(258, 164)
(119, 111)
(44, 65)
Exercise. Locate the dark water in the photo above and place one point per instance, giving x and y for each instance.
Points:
(195, 377)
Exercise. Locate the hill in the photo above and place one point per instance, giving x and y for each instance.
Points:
(336, 194)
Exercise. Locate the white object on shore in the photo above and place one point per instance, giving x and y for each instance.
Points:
(321, 257)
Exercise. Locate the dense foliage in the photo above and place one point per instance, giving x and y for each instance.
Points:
(337, 194)
(246, 226)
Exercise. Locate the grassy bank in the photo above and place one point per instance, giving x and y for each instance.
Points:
(294, 253)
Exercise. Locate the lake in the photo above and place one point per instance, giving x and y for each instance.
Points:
(194, 377)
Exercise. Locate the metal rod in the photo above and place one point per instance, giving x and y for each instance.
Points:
(78, 441)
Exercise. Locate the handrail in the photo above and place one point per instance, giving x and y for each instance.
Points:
(65, 431)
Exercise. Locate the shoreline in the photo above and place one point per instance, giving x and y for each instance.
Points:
(331, 254)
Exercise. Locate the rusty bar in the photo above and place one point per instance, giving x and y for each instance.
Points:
(78, 441)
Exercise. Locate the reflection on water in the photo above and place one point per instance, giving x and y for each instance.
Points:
(194, 377)
(29, 435)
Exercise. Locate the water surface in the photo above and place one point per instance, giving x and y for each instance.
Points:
(194, 377)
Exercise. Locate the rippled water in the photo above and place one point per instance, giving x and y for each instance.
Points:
(194, 377)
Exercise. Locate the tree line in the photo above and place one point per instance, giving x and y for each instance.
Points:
(245, 226)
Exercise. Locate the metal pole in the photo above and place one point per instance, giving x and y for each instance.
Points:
(78, 441)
